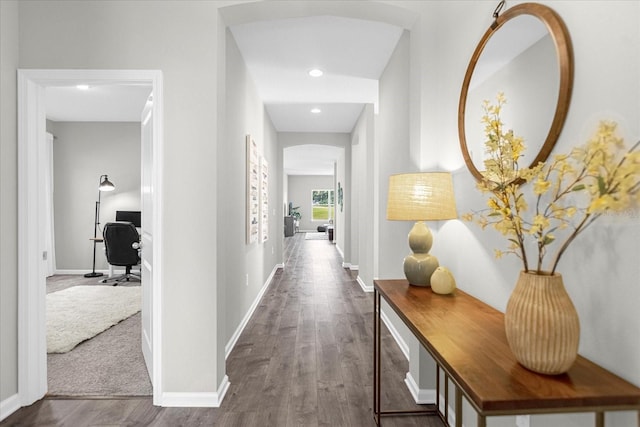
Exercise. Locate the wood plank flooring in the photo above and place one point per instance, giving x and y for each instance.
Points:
(304, 359)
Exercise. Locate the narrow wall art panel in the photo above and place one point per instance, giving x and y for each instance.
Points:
(253, 192)
(264, 199)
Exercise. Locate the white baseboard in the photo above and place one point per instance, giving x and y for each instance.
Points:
(421, 396)
(79, 272)
(236, 335)
(350, 266)
(396, 336)
(105, 272)
(196, 400)
(9, 405)
(364, 286)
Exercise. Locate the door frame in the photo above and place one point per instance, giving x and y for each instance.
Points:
(32, 346)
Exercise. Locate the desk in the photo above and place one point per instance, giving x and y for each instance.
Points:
(466, 339)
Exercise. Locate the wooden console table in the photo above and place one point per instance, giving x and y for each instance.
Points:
(466, 339)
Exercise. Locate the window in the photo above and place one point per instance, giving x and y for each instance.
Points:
(322, 205)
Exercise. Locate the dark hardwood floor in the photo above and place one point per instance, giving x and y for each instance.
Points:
(304, 359)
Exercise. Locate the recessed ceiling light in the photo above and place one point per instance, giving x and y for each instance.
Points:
(82, 87)
(316, 72)
(316, 110)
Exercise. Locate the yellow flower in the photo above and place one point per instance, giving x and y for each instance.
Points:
(494, 205)
(600, 204)
(541, 186)
(540, 223)
(568, 192)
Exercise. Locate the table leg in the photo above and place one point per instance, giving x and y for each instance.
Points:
(376, 356)
(446, 398)
(377, 370)
(482, 421)
(438, 388)
(599, 419)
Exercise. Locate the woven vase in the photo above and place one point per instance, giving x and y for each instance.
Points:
(542, 325)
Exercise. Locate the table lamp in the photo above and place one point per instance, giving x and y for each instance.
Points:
(423, 196)
(103, 185)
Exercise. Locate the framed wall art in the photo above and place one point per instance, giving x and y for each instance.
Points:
(253, 192)
(264, 199)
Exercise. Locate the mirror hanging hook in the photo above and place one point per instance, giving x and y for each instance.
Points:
(498, 9)
(496, 13)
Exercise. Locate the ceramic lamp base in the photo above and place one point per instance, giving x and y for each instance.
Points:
(418, 268)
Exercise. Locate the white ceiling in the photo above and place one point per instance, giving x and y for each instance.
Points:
(278, 53)
(352, 53)
(310, 159)
(98, 103)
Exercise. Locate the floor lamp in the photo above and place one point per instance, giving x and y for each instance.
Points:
(103, 185)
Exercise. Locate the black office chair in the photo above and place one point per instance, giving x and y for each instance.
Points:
(121, 243)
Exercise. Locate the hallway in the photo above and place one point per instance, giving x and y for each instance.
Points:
(304, 359)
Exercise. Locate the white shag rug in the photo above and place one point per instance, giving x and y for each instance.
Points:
(81, 312)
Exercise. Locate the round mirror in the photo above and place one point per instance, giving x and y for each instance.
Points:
(527, 55)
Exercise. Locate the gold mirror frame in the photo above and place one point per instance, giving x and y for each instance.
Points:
(564, 51)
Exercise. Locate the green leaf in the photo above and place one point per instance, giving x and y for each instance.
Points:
(601, 186)
(547, 240)
(495, 214)
(578, 187)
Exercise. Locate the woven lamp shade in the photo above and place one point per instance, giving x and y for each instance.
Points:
(425, 196)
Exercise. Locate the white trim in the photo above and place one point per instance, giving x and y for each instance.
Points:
(245, 320)
(32, 352)
(115, 270)
(32, 371)
(78, 272)
(364, 285)
(340, 251)
(421, 396)
(157, 221)
(396, 335)
(197, 400)
(350, 266)
(9, 405)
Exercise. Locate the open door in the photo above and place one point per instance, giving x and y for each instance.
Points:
(146, 254)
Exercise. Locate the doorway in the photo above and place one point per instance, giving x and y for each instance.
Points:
(32, 373)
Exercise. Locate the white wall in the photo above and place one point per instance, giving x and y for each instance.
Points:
(340, 140)
(244, 269)
(180, 39)
(362, 145)
(8, 207)
(82, 152)
(600, 269)
(300, 187)
(392, 156)
(392, 141)
(341, 213)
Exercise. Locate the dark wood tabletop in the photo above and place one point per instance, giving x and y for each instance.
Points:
(466, 337)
